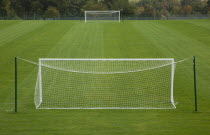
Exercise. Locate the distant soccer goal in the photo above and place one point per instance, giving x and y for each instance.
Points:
(105, 84)
(102, 15)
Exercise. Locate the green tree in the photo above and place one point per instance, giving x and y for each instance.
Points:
(176, 10)
(187, 10)
(123, 5)
(139, 10)
(208, 13)
(199, 7)
(51, 12)
(148, 10)
(7, 6)
(74, 7)
(94, 5)
(186, 2)
(37, 7)
(208, 3)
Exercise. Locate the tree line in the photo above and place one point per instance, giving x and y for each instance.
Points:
(66, 8)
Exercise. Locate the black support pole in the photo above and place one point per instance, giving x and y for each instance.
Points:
(195, 90)
(15, 84)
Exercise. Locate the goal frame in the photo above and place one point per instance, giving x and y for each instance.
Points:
(121, 59)
(102, 12)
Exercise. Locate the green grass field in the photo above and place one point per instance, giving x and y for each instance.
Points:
(129, 39)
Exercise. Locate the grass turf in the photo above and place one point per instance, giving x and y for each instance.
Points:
(129, 39)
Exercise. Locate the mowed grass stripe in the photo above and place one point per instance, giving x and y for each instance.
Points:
(185, 30)
(204, 23)
(4, 25)
(33, 45)
(81, 41)
(162, 39)
(121, 39)
(17, 30)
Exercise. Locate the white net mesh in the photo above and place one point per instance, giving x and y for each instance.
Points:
(105, 84)
(102, 15)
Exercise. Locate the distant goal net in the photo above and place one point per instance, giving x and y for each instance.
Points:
(102, 15)
(105, 84)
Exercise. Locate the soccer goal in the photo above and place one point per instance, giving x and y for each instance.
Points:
(102, 15)
(105, 84)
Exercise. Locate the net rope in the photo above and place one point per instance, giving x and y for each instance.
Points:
(68, 70)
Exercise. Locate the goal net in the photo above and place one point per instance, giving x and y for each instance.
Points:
(102, 15)
(105, 84)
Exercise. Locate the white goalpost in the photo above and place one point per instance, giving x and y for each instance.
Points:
(105, 84)
(113, 15)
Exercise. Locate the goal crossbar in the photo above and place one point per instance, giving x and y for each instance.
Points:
(112, 11)
(121, 59)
